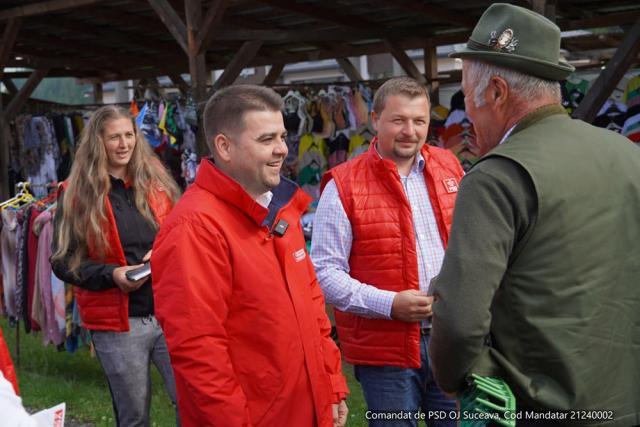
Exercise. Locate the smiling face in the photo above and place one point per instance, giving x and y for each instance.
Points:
(119, 139)
(255, 154)
(402, 127)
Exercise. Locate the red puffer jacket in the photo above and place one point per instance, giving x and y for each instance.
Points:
(383, 251)
(242, 312)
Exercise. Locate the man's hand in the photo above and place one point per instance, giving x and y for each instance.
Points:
(411, 306)
(126, 285)
(340, 412)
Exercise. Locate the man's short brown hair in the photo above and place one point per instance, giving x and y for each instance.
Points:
(398, 86)
(224, 112)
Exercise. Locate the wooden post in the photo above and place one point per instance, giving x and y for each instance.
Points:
(179, 82)
(405, 62)
(4, 155)
(609, 78)
(431, 73)
(197, 67)
(349, 69)
(8, 41)
(546, 8)
(24, 93)
(171, 20)
(11, 87)
(241, 59)
(274, 73)
(98, 94)
(210, 24)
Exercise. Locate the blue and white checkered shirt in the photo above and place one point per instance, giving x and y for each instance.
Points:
(331, 248)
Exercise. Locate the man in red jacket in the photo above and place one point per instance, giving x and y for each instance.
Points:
(379, 237)
(235, 291)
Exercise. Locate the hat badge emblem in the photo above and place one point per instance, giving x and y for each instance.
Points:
(505, 42)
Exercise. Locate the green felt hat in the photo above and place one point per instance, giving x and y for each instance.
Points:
(517, 38)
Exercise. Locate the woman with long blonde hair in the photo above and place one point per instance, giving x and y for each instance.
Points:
(109, 211)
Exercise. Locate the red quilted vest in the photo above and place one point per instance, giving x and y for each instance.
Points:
(383, 251)
(108, 310)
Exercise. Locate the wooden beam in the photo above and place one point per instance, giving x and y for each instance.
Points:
(349, 69)
(609, 20)
(24, 93)
(197, 61)
(274, 73)
(138, 22)
(435, 13)
(210, 24)
(610, 77)
(98, 94)
(172, 21)
(11, 87)
(197, 67)
(545, 8)
(5, 143)
(323, 35)
(405, 62)
(242, 58)
(179, 82)
(315, 11)
(431, 73)
(108, 38)
(8, 41)
(44, 8)
(86, 47)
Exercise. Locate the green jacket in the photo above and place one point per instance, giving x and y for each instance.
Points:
(540, 284)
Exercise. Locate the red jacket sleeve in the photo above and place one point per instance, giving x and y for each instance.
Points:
(192, 287)
(6, 365)
(332, 359)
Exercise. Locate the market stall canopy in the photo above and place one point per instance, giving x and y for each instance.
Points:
(110, 40)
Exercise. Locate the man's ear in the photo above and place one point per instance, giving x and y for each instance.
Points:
(374, 120)
(499, 91)
(222, 147)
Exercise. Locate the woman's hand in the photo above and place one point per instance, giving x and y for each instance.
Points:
(126, 285)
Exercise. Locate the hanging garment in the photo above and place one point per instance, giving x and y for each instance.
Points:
(611, 116)
(9, 261)
(52, 332)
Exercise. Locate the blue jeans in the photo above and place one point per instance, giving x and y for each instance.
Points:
(125, 359)
(390, 389)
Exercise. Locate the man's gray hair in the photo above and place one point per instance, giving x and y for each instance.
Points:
(524, 86)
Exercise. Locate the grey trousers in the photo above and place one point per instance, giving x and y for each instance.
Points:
(125, 358)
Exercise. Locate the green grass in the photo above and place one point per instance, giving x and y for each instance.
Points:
(48, 377)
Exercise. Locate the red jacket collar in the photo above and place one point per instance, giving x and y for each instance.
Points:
(219, 184)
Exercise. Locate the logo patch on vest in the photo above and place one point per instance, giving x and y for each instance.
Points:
(451, 185)
(299, 255)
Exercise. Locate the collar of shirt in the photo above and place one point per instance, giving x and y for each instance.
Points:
(265, 199)
(506, 135)
(116, 180)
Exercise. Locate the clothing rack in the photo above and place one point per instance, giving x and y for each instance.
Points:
(22, 196)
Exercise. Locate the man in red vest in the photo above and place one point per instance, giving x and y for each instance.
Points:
(379, 236)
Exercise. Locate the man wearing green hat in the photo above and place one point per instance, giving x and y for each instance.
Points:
(540, 284)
